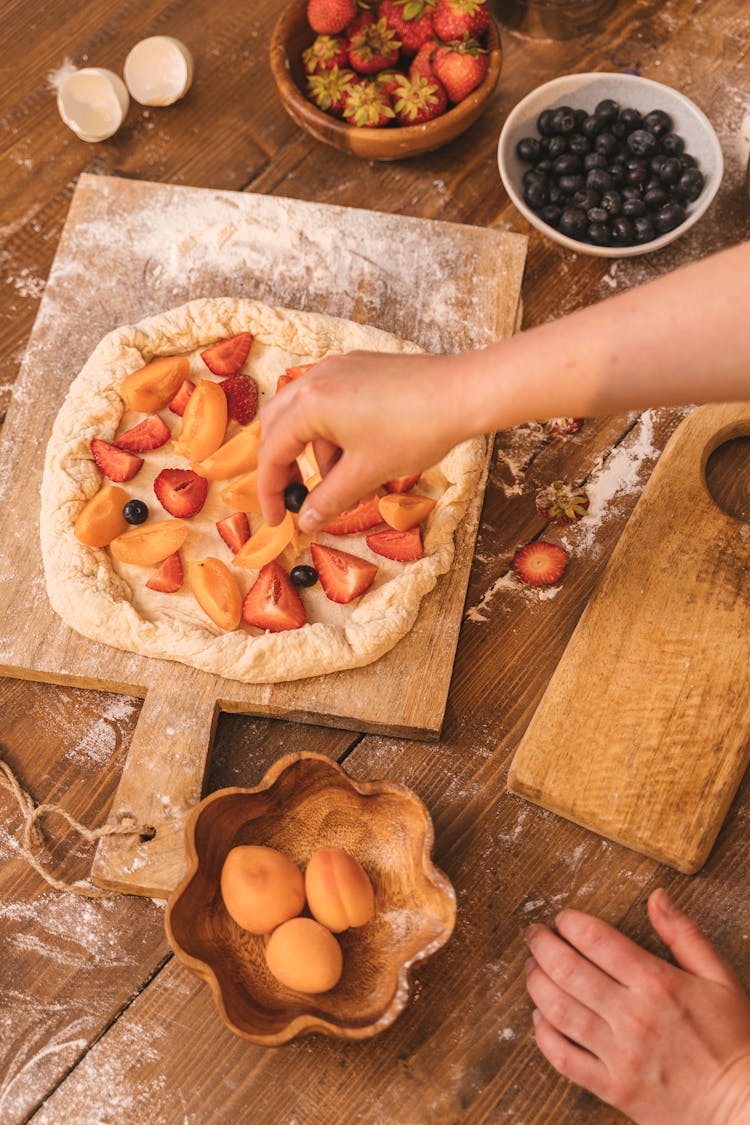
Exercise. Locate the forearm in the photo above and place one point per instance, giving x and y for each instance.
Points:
(680, 339)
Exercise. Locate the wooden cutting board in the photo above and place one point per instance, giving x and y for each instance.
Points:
(643, 734)
(131, 249)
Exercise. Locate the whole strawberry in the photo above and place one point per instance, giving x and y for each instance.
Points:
(461, 67)
(329, 17)
(411, 20)
(562, 502)
(368, 106)
(324, 52)
(373, 48)
(388, 80)
(455, 19)
(422, 61)
(328, 89)
(419, 99)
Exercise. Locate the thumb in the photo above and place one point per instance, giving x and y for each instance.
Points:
(340, 489)
(690, 946)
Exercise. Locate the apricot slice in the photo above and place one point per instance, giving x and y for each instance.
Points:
(153, 386)
(339, 892)
(216, 592)
(238, 455)
(261, 887)
(101, 519)
(242, 494)
(203, 423)
(266, 544)
(150, 543)
(404, 510)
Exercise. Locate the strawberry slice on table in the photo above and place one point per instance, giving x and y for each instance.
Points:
(226, 357)
(181, 492)
(540, 563)
(180, 400)
(234, 530)
(561, 427)
(401, 546)
(362, 517)
(272, 602)
(342, 576)
(242, 398)
(149, 434)
(116, 464)
(169, 577)
(401, 484)
(291, 374)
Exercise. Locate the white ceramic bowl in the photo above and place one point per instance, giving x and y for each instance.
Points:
(585, 91)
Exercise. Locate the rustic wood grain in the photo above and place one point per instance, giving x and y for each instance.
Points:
(107, 1033)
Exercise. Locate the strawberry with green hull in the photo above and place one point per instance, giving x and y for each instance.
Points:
(328, 90)
(562, 426)
(117, 464)
(168, 579)
(149, 434)
(411, 20)
(400, 546)
(180, 400)
(461, 67)
(325, 52)
(272, 602)
(388, 80)
(329, 17)
(367, 106)
(234, 530)
(364, 18)
(422, 61)
(540, 563)
(242, 398)
(562, 502)
(226, 357)
(343, 577)
(419, 99)
(181, 492)
(373, 48)
(461, 19)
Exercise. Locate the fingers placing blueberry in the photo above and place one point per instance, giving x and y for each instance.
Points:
(294, 496)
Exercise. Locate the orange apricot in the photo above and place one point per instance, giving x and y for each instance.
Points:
(150, 543)
(266, 544)
(238, 455)
(339, 892)
(242, 494)
(405, 510)
(203, 423)
(216, 592)
(153, 386)
(101, 519)
(261, 888)
(304, 956)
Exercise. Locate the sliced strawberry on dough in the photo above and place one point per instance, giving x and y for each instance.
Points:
(181, 492)
(540, 563)
(117, 464)
(169, 577)
(401, 546)
(180, 400)
(365, 515)
(291, 374)
(401, 484)
(234, 530)
(149, 434)
(272, 602)
(242, 398)
(342, 576)
(226, 357)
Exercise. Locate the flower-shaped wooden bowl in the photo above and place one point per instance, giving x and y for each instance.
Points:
(305, 802)
(293, 34)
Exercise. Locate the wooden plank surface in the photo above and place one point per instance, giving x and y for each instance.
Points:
(97, 1023)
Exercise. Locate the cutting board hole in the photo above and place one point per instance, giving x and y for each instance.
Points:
(728, 478)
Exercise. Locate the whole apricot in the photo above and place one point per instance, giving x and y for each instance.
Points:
(261, 888)
(339, 892)
(305, 956)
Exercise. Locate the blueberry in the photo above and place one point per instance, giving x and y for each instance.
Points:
(594, 160)
(586, 198)
(592, 126)
(567, 164)
(581, 115)
(622, 231)
(670, 170)
(598, 233)
(529, 149)
(533, 176)
(658, 122)
(632, 191)
(544, 123)
(644, 229)
(536, 195)
(564, 119)
(641, 142)
(690, 185)
(607, 144)
(686, 160)
(551, 214)
(579, 144)
(618, 173)
(294, 496)
(672, 144)
(637, 176)
(633, 208)
(631, 119)
(544, 166)
(573, 222)
(608, 109)
(655, 198)
(303, 575)
(618, 129)
(135, 511)
(569, 184)
(612, 202)
(599, 180)
(557, 146)
(669, 217)
(555, 195)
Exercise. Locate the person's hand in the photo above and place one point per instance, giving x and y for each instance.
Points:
(371, 418)
(666, 1045)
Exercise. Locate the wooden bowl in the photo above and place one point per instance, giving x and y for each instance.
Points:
(304, 802)
(292, 35)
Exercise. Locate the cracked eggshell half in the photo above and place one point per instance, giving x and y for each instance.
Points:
(158, 70)
(93, 103)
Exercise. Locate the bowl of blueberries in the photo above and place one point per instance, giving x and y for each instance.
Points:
(609, 164)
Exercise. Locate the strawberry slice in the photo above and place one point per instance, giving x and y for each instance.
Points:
(342, 576)
(181, 492)
(365, 515)
(272, 602)
(149, 434)
(234, 530)
(540, 563)
(242, 398)
(401, 546)
(226, 357)
(117, 464)
(180, 400)
(169, 577)
(401, 484)
(291, 374)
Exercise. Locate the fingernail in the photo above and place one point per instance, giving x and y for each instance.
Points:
(309, 521)
(532, 932)
(664, 902)
(529, 964)
(536, 1015)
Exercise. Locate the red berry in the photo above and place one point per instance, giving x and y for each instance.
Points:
(562, 502)
(181, 492)
(373, 48)
(179, 402)
(362, 517)
(419, 99)
(169, 577)
(342, 576)
(227, 356)
(328, 90)
(329, 17)
(368, 106)
(461, 67)
(149, 434)
(540, 563)
(272, 602)
(563, 426)
(401, 546)
(401, 484)
(234, 530)
(457, 19)
(324, 52)
(411, 20)
(242, 398)
(116, 464)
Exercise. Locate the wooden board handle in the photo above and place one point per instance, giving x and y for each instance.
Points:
(161, 782)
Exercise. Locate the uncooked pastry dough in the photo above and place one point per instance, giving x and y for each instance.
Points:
(109, 601)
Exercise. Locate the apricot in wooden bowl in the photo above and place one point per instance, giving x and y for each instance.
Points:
(306, 803)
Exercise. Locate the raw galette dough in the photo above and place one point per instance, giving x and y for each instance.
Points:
(109, 601)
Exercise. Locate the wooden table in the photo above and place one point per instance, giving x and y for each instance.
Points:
(97, 1020)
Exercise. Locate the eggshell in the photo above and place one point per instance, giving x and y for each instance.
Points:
(261, 888)
(304, 956)
(339, 893)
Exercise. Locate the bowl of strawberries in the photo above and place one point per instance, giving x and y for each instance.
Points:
(385, 79)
